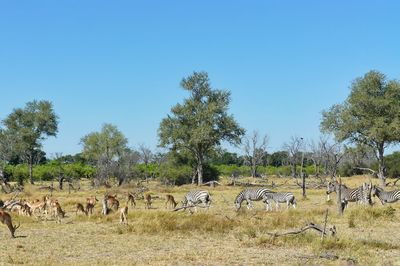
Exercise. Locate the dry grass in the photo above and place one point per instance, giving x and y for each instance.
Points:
(218, 236)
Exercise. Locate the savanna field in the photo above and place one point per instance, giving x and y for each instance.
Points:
(218, 236)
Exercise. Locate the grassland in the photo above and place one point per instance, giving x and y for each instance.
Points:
(218, 236)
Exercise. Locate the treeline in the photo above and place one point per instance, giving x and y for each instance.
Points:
(173, 169)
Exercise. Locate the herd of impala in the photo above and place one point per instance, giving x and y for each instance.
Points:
(51, 207)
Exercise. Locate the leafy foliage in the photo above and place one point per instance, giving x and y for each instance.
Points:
(201, 123)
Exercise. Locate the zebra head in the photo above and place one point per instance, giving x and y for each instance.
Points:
(375, 190)
(331, 187)
(184, 202)
(238, 201)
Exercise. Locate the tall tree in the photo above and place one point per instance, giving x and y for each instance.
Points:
(370, 116)
(30, 126)
(255, 149)
(201, 123)
(106, 150)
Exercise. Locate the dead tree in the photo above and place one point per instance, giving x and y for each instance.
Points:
(255, 150)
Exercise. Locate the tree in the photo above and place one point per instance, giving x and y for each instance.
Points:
(105, 149)
(30, 126)
(293, 150)
(369, 116)
(201, 123)
(255, 149)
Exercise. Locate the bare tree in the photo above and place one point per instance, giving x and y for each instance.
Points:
(146, 156)
(317, 153)
(333, 154)
(293, 149)
(255, 149)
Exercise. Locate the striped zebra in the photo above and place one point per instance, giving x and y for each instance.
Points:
(249, 195)
(386, 196)
(196, 197)
(279, 197)
(361, 194)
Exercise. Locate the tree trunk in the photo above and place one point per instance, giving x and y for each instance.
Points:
(105, 207)
(60, 182)
(31, 167)
(381, 166)
(253, 170)
(200, 171)
(339, 197)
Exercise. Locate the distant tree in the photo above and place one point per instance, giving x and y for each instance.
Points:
(279, 158)
(104, 149)
(369, 116)
(293, 149)
(30, 126)
(201, 123)
(255, 148)
(224, 157)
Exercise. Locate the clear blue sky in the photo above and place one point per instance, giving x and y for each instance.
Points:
(121, 62)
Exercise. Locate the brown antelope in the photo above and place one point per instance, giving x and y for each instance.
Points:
(112, 202)
(131, 199)
(123, 214)
(22, 207)
(38, 205)
(80, 208)
(170, 201)
(57, 211)
(5, 218)
(90, 202)
(147, 201)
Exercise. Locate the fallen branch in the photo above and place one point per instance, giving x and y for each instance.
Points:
(187, 207)
(309, 226)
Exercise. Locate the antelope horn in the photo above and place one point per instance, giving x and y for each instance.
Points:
(17, 226)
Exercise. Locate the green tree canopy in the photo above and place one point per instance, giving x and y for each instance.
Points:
(201, 123)
(369, 116)
(109, 143)
(29, 127)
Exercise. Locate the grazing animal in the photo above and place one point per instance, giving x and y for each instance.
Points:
(249, 195)
(196, 197)
(5, 218)
(279, 197)
(361, 194)
(80, 208)
(123, 214)
(386, 196)
(131, 199)
(170, 201)
(90, 202)
(147, 201)
(57, 212)
(112, 202)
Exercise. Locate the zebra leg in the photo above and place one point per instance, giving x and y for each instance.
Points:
(277, 207)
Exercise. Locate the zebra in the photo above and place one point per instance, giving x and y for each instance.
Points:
(249, 195)
(195, 197)
(279, 197)
(386, 196)
(360, 194)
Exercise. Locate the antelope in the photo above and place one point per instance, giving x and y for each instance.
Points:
(57, 211)
(170, 201)
(123, 214)
(38, 205)
(131, 199)
(5, 218)
(90, 202)
(112, 202)
(79, 208)
(147, 201)
(23, 208)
